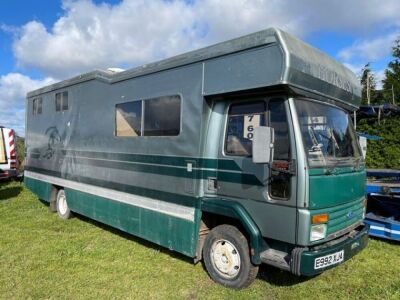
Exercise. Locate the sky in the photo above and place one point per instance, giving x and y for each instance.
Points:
(45, 41)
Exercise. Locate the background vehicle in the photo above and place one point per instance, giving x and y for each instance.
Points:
(8, 153)
(239, 154)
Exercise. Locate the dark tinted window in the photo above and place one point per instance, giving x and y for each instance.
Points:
(34, 106)
(37, 106)
(242, 118)
(58, 102)
(128, 118)
(151, 117)
(278, 121)
(62, 101)
(280, 179)
(162, 116)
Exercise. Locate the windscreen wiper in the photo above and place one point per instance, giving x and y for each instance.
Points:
(316, 146)
(335, 163)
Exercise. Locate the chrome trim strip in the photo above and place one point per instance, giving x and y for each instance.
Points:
(172, 209)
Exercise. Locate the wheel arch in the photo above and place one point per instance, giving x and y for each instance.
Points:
(53, 197)
(231, 212)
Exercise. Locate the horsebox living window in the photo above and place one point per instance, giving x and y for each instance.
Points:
(37, 106)
(159, 116)
(62, 101)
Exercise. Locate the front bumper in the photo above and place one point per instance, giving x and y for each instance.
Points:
(302, 262)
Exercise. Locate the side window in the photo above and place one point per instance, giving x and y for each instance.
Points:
(162, 116)
(280, 181)
(278, 121)
(151, 117)
(62, 101)
(37, 106)
(242, 118)
(128, 119)
(65, 101)
(58, 102)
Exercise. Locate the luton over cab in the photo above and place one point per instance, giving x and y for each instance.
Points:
(237, 154)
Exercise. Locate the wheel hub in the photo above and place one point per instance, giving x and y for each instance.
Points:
(225, 258)
(62, 204)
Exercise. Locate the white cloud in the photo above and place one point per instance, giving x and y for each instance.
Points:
(369, 50)
(355, 68)
(92, 36)
(13, 89)
(133, 32)
(379, 76)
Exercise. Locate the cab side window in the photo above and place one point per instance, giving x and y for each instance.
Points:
(242, 118)
(280, 179)
(278, 121)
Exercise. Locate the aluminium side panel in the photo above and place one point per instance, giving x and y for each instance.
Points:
(140, 185)
(250, 69)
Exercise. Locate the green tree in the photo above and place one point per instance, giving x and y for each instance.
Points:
(383, 153)
(391, 83)
(368, 80)
(20, 145)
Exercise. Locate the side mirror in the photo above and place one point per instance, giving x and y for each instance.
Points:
(263, 145)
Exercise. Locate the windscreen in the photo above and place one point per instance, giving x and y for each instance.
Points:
(328, 134)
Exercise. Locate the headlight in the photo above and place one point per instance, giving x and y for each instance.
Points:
(364, 208)
(318, 232)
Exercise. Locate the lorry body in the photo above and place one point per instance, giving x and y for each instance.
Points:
(8, 154)
(165, 152)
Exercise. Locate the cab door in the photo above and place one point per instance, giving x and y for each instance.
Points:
(267, 191)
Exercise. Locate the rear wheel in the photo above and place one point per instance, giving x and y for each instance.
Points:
(62, 206)
(227, 257)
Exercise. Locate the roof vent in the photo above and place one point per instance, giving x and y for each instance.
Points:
(115, 70)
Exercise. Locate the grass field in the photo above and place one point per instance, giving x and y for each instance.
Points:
(42, 256)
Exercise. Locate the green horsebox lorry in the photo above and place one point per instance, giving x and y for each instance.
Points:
(236, 154)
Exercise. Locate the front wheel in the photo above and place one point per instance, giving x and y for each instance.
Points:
(227, 257)
(63, 210)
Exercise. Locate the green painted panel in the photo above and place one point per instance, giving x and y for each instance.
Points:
(337, 188)
(171, 232)
(176, 161)
(40, 188)
(176, 171)
(342, 216)
(235, 210)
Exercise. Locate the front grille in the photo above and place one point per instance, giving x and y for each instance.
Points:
(344, 218)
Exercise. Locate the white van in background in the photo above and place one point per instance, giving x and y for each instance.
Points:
(8, 153)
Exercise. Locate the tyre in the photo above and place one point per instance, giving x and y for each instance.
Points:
(227, 257)
(62, 207)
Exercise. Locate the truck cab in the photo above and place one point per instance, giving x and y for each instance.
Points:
(306, 195)
(302, 188)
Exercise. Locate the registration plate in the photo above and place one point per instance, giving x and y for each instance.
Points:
(328, 260)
